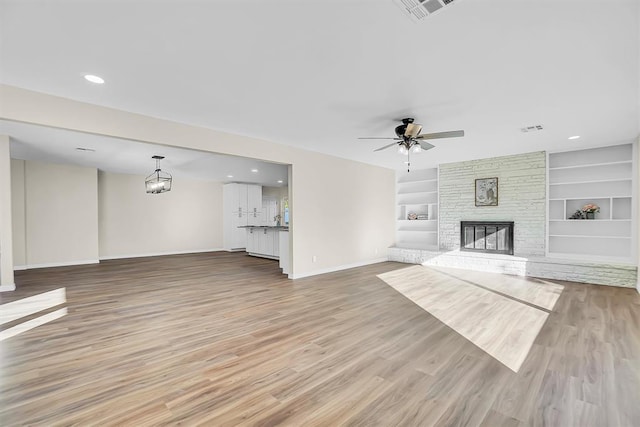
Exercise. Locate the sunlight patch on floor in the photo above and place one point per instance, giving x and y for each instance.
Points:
(27, 306)
(33, 323)
(505, 327)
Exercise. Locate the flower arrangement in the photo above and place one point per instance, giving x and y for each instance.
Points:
(577, 215)
(590, 208)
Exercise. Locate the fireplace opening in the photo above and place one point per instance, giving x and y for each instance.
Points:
(494, 237)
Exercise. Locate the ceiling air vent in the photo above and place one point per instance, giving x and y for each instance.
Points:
(417, 10)
(533, 128)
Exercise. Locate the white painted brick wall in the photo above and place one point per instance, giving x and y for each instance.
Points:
(521, 199)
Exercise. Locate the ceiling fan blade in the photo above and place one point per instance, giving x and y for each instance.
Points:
(437, 135)
(412, 130)
(386, 146)
(426, 146)
(378, 137)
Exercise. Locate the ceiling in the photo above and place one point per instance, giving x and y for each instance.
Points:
(317, 74)
(40, 143)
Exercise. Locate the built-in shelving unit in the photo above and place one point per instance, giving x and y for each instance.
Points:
(601, 176)
(417, 193)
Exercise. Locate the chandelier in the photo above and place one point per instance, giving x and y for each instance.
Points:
(159, 181)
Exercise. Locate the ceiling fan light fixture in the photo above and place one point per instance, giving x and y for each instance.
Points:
(159, 181)
(409, 139)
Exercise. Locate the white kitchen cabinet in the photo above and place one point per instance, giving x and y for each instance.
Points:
(251, 239)
(275, 243)
(263, 242)
(254, 204)
(265, 245)
(242, 198)
(242, 205)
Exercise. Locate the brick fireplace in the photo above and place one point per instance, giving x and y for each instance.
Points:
(487, 236)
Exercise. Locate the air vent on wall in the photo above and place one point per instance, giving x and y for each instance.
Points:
(533, 128)
(417, 10)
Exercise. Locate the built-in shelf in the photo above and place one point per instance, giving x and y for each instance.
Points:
(629, 162)
(601, 176)
(404, 183)
(413, 245)
(417, 193)
(400, 193)
(588, 236)
(418, 198)
(572, 220)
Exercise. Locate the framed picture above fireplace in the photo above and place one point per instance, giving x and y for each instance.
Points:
(487, 192)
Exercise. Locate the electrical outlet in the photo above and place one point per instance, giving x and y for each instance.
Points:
(314, 258)
(376, 251)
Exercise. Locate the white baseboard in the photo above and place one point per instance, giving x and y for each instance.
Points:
(274, 257)
(338, 268)
(196, 251)
(8, 288)
(56, 264)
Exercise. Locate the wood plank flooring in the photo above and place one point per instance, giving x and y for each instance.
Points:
(497, 322)
(223, 339)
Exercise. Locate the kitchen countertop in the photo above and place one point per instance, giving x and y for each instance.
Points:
(275, 227)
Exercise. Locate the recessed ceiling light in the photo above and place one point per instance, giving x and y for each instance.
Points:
(254, 170)
(574, 137)
(94, 79)
(280, 181)
(229, 176)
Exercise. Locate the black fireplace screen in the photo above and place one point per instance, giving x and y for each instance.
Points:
(487, 236)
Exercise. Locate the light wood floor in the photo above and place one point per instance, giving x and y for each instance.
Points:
(223, 339)
(503, 323)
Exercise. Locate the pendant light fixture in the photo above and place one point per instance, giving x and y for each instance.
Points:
(159, 181)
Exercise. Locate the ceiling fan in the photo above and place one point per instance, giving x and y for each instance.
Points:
(409, 140)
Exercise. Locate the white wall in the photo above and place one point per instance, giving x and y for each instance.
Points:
(18, 207)
(521, 199)
(132, 223)
(60, 215)
(343, 208)
(6, 233)
(343, 211)
(637, 213)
